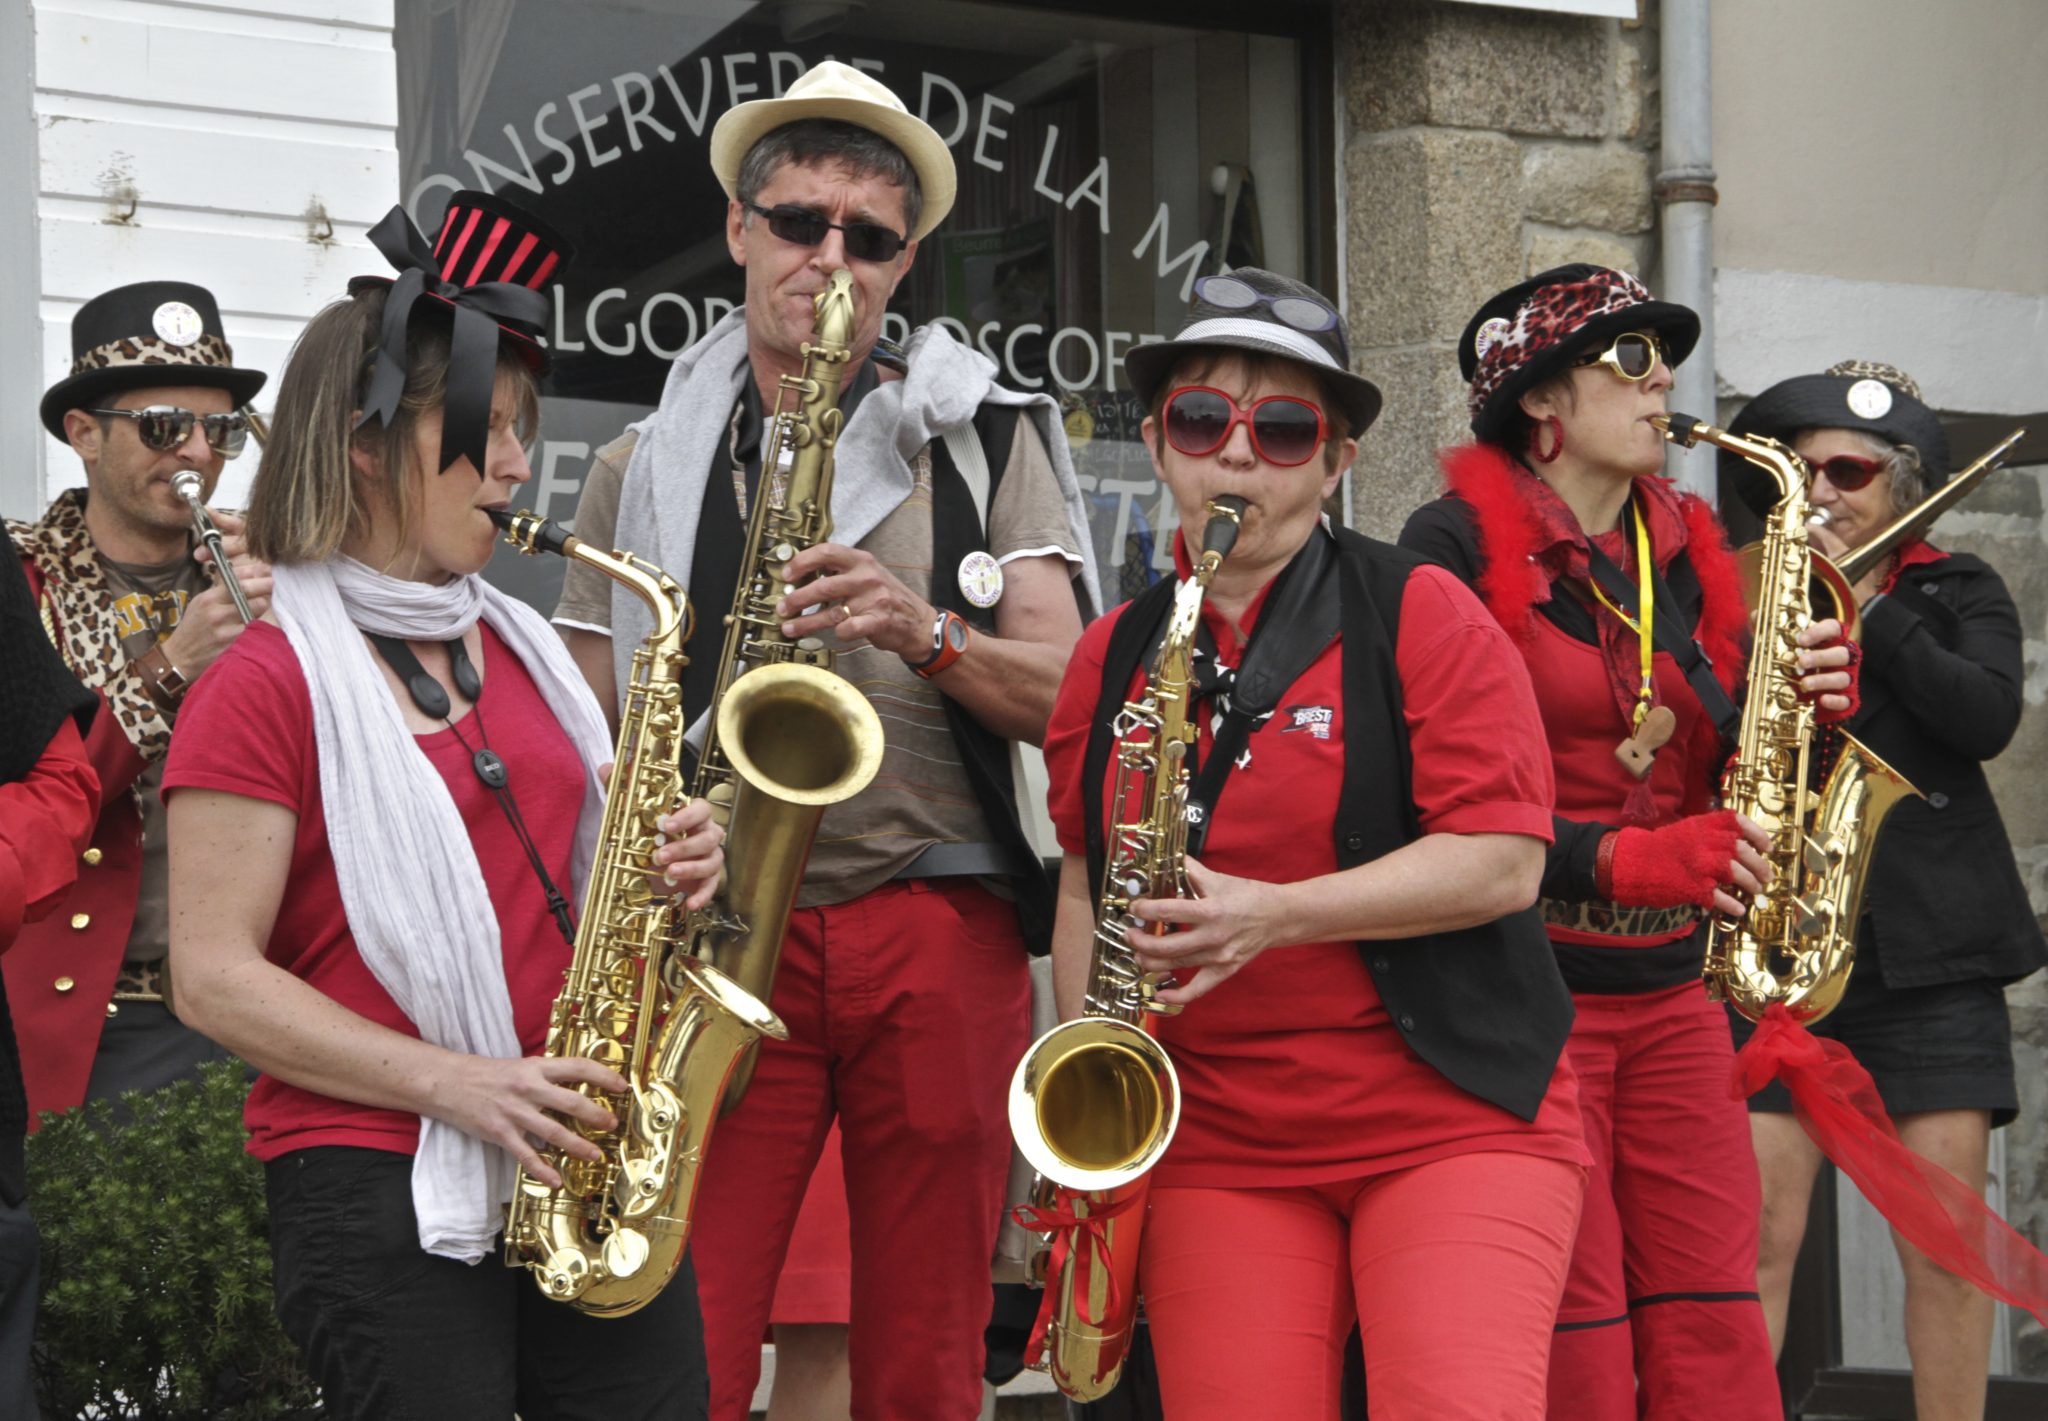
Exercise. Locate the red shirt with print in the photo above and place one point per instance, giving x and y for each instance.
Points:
(246, 728)
(1290, 1071)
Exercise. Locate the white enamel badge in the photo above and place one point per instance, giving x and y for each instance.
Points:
(177, 323)
(981, 578)
(1490, 334)
(1870, 399)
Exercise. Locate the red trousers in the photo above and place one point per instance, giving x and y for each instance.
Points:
(907, 1011)
(1661, 1319)
(1453, 1270)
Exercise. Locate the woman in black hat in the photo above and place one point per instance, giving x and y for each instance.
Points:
(1947, 923)
(1376, 1121)
(1590, 560)
(383, 798)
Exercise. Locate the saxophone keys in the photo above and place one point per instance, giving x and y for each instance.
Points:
(565, 1274)
(1811, 917)
(1821, 855)
(625, 1252)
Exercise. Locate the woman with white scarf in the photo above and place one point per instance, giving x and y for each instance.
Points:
(381, 806)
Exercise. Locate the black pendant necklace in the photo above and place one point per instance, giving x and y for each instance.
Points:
(489, 767)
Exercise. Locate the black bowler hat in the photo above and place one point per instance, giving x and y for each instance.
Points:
(1250, 309)
(149, 334)
(1854, 394)
(1540, 327)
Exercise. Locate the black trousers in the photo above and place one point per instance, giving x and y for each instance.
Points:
(20, 1256)
(390, 1332)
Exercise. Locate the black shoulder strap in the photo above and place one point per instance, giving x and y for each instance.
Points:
(1691, 657)
(1300, 619)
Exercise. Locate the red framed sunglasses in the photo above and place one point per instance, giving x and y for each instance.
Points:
(1847, 472)
(1285, 430)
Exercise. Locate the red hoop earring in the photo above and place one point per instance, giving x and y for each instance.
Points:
(1536, 440)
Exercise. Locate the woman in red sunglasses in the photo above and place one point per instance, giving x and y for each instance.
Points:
(1947, 923)
(1376, 1122)
(1591, 562)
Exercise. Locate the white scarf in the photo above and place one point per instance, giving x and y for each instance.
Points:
(415, 896)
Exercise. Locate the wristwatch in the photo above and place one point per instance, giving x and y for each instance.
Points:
(165, 682)
(949, 641)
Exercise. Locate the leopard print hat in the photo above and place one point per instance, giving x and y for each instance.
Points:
(147, 334)
(1534, 330)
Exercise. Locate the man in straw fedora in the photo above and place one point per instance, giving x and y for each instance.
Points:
(124, 590)
(955, 585)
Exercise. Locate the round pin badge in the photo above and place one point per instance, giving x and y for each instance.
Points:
(1870, 399)
(177, 323)
(981, 579)
(1490, 334)
(1080, 426)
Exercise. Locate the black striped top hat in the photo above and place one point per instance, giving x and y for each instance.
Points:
(487, 268)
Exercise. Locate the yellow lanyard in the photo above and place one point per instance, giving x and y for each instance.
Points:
(1645, 629)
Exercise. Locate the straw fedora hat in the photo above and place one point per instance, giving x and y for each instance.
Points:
(839, 91)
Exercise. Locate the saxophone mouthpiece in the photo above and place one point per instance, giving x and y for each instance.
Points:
(1220, 532)
(531, 533)
(1678, 428)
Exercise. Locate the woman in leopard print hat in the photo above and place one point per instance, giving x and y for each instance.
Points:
(1947, 924)
(1611, 582)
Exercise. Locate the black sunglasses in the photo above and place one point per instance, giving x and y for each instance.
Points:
(1632, 357)
(166, 427)
(799, 226)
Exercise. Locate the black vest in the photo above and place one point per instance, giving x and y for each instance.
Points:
(956, 531)
(1483, 1005)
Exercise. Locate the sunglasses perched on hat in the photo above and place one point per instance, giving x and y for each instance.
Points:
(1260, 313)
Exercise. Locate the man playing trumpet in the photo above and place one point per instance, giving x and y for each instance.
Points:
(126, 592)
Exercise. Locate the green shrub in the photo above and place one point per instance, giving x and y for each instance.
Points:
(156, 1299)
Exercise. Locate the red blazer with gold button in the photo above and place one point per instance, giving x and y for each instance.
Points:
(60, 971)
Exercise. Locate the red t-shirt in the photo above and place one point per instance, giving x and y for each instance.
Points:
(1290, 1071)
(247, 729)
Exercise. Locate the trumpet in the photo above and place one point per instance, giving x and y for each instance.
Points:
(186, 485)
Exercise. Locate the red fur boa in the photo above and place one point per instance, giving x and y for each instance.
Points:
(1512, 583)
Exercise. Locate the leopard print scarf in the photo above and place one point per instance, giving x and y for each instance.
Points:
(76, 606)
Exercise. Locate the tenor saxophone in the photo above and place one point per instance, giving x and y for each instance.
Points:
(1094, 1102)
(1798, 941)
(609, 1239)
(789, 737)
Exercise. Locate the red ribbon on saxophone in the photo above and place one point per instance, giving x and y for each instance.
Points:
(1063, 1224)
(1837, 1102)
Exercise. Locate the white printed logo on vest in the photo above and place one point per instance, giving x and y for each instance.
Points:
(1316, 720)
(981, 578)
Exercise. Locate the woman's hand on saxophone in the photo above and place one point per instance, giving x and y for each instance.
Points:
(515, 1103)
(1824, 665)
(692, 856)
(1228, 923)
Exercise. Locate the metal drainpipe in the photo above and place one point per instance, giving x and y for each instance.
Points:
(1685, 194)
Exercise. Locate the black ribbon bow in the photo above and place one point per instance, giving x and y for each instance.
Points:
(479, 310)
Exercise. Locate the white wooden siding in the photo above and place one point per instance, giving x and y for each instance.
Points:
(246, 145)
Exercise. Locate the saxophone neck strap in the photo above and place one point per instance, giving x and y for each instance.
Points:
(490, 769)
(1300, 619)
(1613, 587)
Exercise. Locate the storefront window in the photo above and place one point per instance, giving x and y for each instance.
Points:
(1104, 164)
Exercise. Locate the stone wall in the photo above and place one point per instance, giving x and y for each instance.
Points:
(1479, 146)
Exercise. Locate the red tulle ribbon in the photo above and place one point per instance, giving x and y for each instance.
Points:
(1063, 1224)
(1937, 1213)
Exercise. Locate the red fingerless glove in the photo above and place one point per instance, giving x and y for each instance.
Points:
(1667, 867)
(1821, 714)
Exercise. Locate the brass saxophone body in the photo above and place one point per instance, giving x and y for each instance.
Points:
(1797, 943)
(789, 737)
(612, 1236)
(1094, 1102)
